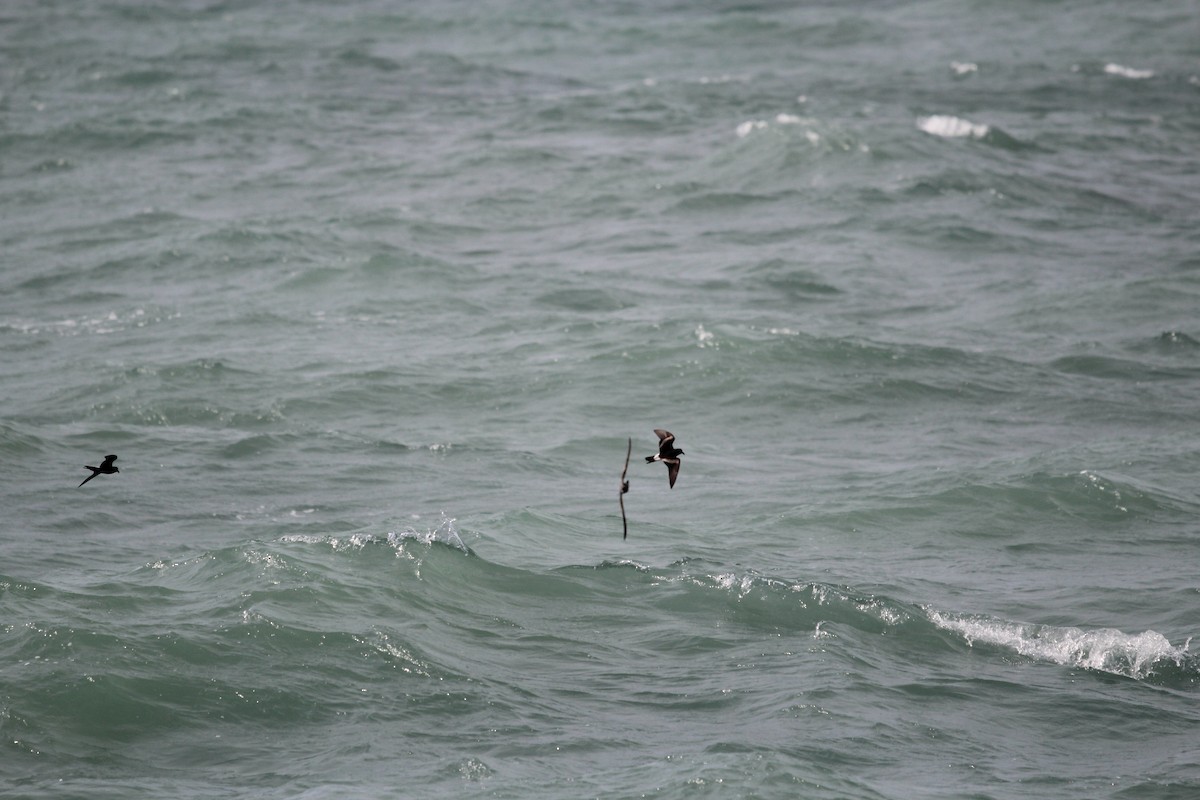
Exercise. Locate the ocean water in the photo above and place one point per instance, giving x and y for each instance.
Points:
(368, 297)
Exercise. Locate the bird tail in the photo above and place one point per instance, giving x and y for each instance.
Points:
(650, 459)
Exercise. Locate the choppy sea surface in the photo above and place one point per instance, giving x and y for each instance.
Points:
(368, 298)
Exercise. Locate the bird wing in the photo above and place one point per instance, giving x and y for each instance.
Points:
(624, 489)
(95, 472)
(108, 460)
(664, 436)
(624, 521)
(672, 470)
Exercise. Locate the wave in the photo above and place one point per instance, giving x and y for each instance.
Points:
(444, 533)
(114, 321)
(761, 164)
(695, 590)
(1147, 656)
(414, 629)
(18, 441)
(1086, 494)
(1107, 367)
(192, 636)
(950, 127)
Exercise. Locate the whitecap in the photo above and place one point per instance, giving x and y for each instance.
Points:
(964, 67)
(749, 126)
(1128, 72)
(742, 585)
(444, 533)
(951, 127)
(1103, 650)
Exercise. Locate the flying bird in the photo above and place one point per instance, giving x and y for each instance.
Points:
(625, 488)
(106, 468)
(668, 453)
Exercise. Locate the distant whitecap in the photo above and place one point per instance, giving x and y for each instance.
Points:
(1128, 72)
(951, 127)
(749, 126)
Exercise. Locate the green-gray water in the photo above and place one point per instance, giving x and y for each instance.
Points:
(368, 296)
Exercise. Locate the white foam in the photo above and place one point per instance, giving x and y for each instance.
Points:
(1103, 650)
(881, 611)
(382, 643)
(303, 538)
(964, 67)
(445, 533)
(951, 127)
(749, 126)
(743, 585)
(1128, 72)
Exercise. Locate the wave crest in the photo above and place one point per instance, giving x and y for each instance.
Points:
(1141, 656)
(951, 127)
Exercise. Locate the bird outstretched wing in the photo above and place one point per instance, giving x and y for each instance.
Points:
(624, 489)
(672, 470)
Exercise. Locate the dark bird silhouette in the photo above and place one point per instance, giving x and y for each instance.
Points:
(668, 453)
(625, 488)
(106, 468)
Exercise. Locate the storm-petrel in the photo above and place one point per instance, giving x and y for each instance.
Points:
(105, 468)
(625, 488)
(667, 453)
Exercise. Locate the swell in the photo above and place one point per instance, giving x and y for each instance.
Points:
(417, 634)
(424, 604)
(1038, 494)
